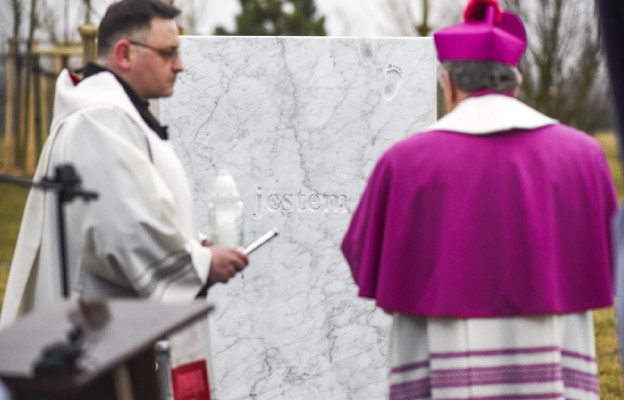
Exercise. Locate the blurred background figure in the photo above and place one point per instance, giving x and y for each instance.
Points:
(4, 392)
(611, 16)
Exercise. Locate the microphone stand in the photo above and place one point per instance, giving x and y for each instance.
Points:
(67, 184)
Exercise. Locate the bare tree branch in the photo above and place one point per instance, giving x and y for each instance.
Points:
(563, 67)
(49, 23)
(410, 18)
(18, 11)
(192, 13)
(400, 14)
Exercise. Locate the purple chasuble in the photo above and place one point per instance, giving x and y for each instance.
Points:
(509, 223)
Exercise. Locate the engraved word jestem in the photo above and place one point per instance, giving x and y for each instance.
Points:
(300, 202)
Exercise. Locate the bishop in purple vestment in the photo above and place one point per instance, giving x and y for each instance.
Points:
(497, 217)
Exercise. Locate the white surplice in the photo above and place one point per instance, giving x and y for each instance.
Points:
(548, 357)
(138, 239)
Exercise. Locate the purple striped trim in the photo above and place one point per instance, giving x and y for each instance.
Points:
(568, 353)
(496, 375)
(497, 352)
(534, 396)
(581, 380)
(409, 367)
(418, 389)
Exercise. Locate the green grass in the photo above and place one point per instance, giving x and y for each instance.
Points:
(609, 370)
(12, 200)
(608, 142)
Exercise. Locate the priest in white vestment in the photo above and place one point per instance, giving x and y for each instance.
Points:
(139, 238)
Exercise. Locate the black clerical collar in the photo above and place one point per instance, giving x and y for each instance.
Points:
(141, 105)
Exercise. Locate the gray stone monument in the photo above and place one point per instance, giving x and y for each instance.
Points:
(299, 122)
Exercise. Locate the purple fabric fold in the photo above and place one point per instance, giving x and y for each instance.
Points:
(512, 223)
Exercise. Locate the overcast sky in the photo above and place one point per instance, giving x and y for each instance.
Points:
(343, 17)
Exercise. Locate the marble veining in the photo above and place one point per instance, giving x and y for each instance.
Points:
(299, 122)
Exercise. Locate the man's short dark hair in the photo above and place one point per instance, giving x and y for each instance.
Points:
(128, 16)
(473, 76)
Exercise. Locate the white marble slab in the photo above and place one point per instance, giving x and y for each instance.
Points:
(299, 122)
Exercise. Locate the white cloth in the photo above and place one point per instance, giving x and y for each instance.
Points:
(138, 239)
(475, 115)
(538, 357)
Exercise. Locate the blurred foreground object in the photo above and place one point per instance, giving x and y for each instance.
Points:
(611, 14)
(117, 359)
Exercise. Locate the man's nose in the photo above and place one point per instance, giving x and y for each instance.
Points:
(177, 64)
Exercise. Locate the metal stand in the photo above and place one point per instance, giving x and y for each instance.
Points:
(59, 358)
(67, 184)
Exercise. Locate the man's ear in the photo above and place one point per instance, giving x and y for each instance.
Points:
(450, 91)
(516, 92)
(122, 54)
(446, 79)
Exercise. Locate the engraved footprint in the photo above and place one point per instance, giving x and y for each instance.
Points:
(394, 78)
(367, 53)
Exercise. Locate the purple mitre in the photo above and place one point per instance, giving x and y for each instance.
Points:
(486, 34)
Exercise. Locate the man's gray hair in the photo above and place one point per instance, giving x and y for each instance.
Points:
(473, 76)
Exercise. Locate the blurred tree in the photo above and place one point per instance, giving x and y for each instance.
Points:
(276, 18)
(49, 24)
(13, 83)
(88, 10)
(563, 67)
(404, 20)
(192, 13)
(410, 18)
(18, 10)
(26, 108)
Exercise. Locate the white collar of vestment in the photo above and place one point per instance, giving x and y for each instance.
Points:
(102, 89)
(491, 113)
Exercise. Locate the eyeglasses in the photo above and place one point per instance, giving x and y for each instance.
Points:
(167, 55)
